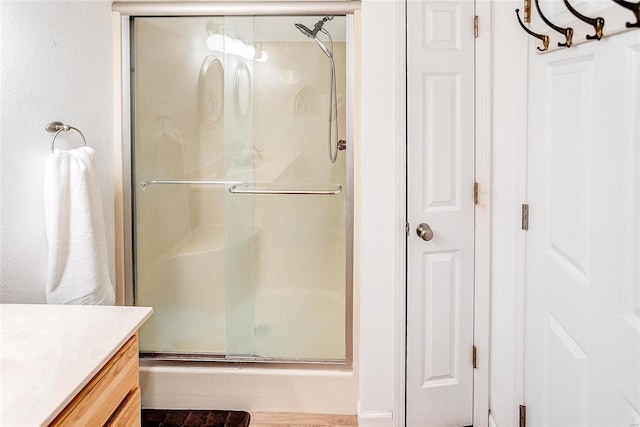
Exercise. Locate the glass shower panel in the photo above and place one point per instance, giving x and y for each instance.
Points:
(239, 280)
(231, 121)
(301, 244)
(179, 224)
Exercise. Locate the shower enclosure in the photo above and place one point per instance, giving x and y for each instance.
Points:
(241, 224)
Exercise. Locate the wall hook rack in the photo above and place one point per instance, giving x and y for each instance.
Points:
(635, 8)
(597, 23)
(544, 38)
(568, 32)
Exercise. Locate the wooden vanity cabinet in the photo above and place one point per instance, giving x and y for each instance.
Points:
(112, 397)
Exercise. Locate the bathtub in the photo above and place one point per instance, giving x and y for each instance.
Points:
(248, 388)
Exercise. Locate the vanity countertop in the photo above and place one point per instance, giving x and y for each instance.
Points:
(48, 353)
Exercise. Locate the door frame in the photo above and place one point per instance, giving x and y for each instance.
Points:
(482, 215)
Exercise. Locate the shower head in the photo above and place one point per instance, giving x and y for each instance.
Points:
(316, 27)
(307, 32)
(313, 34)
(333, 98)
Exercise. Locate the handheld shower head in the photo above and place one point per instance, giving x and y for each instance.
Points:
(333, 98)
(313, 34)
(306, 31)
(323, 48)
(316, 27)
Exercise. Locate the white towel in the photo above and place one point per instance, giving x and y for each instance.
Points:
(78, 271)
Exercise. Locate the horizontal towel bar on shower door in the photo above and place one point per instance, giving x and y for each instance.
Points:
(144, 184)
(290, 189)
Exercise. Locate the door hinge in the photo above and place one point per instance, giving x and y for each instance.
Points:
(475, 357)
(525, 216)
(407, 228)
(475, 194)
(475, 26)
(527, 11)
(523, 416)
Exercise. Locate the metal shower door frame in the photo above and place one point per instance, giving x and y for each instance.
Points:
(125, 267)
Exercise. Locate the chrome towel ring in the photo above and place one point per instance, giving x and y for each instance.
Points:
(58, 127)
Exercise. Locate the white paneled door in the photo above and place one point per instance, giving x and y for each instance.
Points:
(582, 317)
(440, 188)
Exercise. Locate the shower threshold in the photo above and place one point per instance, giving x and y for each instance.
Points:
(234, 360)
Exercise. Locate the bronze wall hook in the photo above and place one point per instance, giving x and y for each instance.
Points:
(568, 32)
(598, 23)
(544, 38)
(635, 8)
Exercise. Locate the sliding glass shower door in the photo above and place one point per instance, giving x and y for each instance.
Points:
(240, 217)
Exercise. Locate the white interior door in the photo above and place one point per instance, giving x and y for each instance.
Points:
(582, 317)
(440, 94)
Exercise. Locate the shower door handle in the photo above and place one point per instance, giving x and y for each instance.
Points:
(254, 189)
(424, 232)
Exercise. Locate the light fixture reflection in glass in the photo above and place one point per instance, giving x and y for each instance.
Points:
(260, 53)
(262, 57)
(223, 43)
(215, 42)
(236, 47)
(248, 52)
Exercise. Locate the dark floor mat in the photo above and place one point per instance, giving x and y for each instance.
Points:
(194, 418)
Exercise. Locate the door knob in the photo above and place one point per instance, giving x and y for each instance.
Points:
(424, 232)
